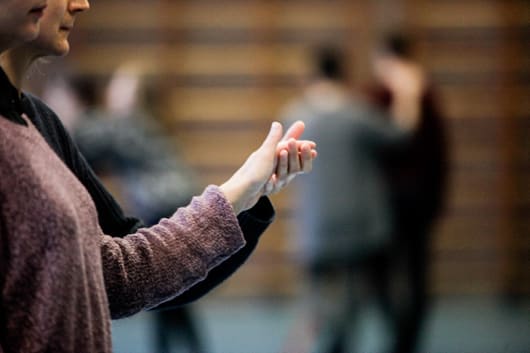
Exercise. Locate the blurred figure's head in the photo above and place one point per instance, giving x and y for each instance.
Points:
(328, 86)
(396, 44)
(394, 49)
(329, 64)
(88, 90)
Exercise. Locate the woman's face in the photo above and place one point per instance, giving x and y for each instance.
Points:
(56, 24)
(19, 20)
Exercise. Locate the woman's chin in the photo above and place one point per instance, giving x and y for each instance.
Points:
(61, 49)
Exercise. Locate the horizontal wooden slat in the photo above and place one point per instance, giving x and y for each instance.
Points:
(220, 148)
(477, 101)
(194, 105)
(239, 59)
(229, 14)
(137, 14)
(103, 60)
(466, 235)
(472, 59)
(475, 13)
(199, 59)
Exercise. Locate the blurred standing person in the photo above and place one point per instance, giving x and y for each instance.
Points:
(122, 140)
(417, 178)
(119, 135)
(343, 219)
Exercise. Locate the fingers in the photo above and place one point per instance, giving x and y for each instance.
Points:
(288, 160)
(294, 158)
(283, 164)
(295, 131)
(301, 158)
(283, 145)
(307, 155)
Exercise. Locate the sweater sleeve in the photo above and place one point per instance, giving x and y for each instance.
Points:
(158, 263)
(253, 223)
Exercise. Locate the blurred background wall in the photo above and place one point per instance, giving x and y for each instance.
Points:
(227, 68)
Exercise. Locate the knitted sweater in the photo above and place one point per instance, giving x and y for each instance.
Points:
(54, 270)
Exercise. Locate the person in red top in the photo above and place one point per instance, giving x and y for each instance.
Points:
(416, 175)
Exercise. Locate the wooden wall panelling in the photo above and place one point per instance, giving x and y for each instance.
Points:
(462, 44)
(516, 263)
(232, 65)
(194, 106)
(456, 14)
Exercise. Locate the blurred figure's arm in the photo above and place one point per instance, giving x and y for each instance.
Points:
(405, 81)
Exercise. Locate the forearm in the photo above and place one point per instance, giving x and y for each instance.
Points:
(158, 263)
(253, 223)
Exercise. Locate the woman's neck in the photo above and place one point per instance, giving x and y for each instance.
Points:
(16, 63)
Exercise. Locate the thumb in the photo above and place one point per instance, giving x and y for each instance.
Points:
(273, 138)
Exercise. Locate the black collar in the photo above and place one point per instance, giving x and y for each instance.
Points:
(10, 100)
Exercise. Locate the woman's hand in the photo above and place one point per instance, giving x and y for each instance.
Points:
(270, 168)
(294, 157)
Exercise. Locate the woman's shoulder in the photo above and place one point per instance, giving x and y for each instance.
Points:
(40, 114)
(34, 104)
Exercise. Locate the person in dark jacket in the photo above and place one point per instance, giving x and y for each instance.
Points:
(122, 260)
(111, 217)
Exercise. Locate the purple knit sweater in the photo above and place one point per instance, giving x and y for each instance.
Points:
(61, 279)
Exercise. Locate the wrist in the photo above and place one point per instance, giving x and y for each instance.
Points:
(234, 194)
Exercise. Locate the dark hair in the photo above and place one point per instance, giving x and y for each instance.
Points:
(88, 89)
(397, 44)
(329, 63)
